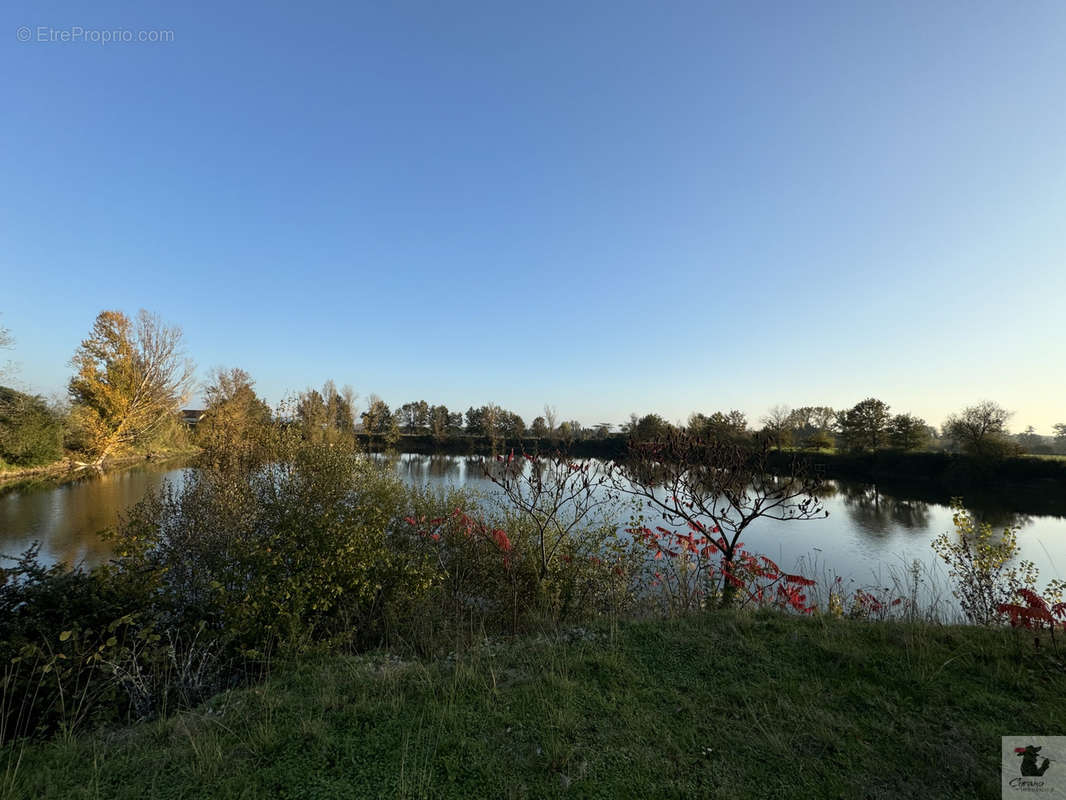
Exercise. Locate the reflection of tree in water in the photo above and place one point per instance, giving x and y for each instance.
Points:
(999, 518)
(875, 512)
(442, 467)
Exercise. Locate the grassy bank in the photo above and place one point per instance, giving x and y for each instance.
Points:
(722, 705)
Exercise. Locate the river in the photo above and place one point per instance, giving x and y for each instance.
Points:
(870, 535)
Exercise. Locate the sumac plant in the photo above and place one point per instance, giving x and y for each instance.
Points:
(690, 571)
(1034, 613)
(478, 575)
(557, 495)
(708, 487)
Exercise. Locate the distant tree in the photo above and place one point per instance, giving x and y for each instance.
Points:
(475, 423)
(349, 397)
(865, 425)
(981, 430)
(491, 420)
(439, 423)
(777, 426)
(377, 419)
(550, 416)
(455, 423)
(340, 411)
(233, 430)
(819, 439)
(512, 426)
(539, 428)
(812, 426)
(1032, 442)
(647, 428)
(414, 416)
(732, 426)
(601, 430)
(907, 432)
(1060, 436)
(130, 380)
(311, 412)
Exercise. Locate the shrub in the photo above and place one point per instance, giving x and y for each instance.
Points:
(980, 566)
(31, 432)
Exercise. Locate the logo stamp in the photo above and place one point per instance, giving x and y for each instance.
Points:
(1034, 766)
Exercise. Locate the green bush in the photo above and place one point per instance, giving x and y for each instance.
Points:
(31, 432)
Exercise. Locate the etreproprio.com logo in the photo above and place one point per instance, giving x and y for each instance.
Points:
(77, 34)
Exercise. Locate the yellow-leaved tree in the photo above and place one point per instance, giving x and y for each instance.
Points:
(131, 377)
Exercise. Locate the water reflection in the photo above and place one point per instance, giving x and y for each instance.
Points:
(67, 519)
(868, 525)
(877, 513)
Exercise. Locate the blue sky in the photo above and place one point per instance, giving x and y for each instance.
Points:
(611, 207)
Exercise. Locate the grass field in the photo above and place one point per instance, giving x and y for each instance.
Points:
(716, 705)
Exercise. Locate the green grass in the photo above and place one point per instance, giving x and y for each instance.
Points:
(717, 705)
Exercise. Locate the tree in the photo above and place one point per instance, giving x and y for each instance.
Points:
(811, 426)
(539, 428)
(439, 419)
(130, 380)
(512, 426)
(377, 418)
(777, 426)
(1032, 442)
(313, 415)
(713, 490)
(414, 416)
(1060, 436)
(340, 409)
(233, 429)
(865, 425)
(730, 427)
(474, 421)
(980, 430)
(907, 432)
(646, 428)
(549, 417)
(31, 430)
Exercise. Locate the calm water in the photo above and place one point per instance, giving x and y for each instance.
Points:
(868, 534)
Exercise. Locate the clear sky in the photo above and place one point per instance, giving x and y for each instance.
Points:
(612, 207)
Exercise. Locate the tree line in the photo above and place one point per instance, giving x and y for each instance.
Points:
(131, 379)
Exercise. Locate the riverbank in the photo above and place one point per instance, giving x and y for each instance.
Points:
(70, 469)
(716, 705)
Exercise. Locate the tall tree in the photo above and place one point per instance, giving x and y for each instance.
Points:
(727, 427)
(907, 432)
(377, 419)
(980, 430)
(130, 379)
(539, 428)
(233, 430)
(777, 425)
(550, 416)
(414, 416)
(646, 428)
(439, 419)
(313, 414)
(865, 425)
(340, 413)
